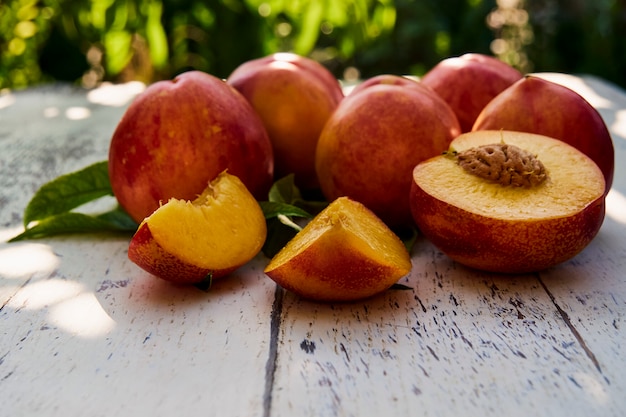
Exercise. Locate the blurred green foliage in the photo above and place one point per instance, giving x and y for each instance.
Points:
(89, 41)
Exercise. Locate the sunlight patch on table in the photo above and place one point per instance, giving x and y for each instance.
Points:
(46, 293)
(22, 259)
(82, 315)
(115, 95)
(7, 99)
(619, 125)
(77, 113)
(10, 232)
(51, 112)
(616, 206)
(591, 386)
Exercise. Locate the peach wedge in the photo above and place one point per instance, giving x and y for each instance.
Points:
(509, 202)
(345, 253)
(186, 241)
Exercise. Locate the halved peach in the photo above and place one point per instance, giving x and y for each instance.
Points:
(509, 202)
(186, 241)
(345, 253)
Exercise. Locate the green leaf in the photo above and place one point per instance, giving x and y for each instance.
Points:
(49, 212)
(119, 220)
(284, 190)
(273, 209)
(285, 201)
(68, 192)
(71, 222)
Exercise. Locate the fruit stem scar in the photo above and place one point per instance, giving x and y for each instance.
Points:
(504, 164)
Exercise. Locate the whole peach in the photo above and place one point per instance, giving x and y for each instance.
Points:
(470, 81)
(294, 96)
(391, 79)
(178, 135)
(374, 139)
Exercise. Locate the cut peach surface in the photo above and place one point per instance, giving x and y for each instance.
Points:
(345, 253)
(549, 216)
(184, 241)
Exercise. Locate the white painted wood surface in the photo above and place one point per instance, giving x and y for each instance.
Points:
(85, 332)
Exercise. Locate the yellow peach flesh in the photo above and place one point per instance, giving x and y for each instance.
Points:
(223, 228)
(345, 253)
(564, 193)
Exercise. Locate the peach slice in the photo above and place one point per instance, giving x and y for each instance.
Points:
(509, 202)
(345, 253)
(186, 241)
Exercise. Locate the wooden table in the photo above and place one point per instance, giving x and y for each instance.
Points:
(87, 333)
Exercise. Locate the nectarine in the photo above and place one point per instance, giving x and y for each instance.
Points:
(219, 231)
(470, 81)
(294, 96)
(374, 139)
(509, 202)
(178, 135)
(344, 253)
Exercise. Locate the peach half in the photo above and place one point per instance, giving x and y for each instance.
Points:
(186, 241)
(345, 253)
(509, 202)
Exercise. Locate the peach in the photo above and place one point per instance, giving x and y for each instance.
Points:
(374, 139)
(509, 202)
(536, 105)
(391, 79)
(470, 81)
(213, 235)
(345, 253)
(178, 135)
(294, 97)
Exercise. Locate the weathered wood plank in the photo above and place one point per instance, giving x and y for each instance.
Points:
(461, 342)
(86, 332)
(98, 337)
